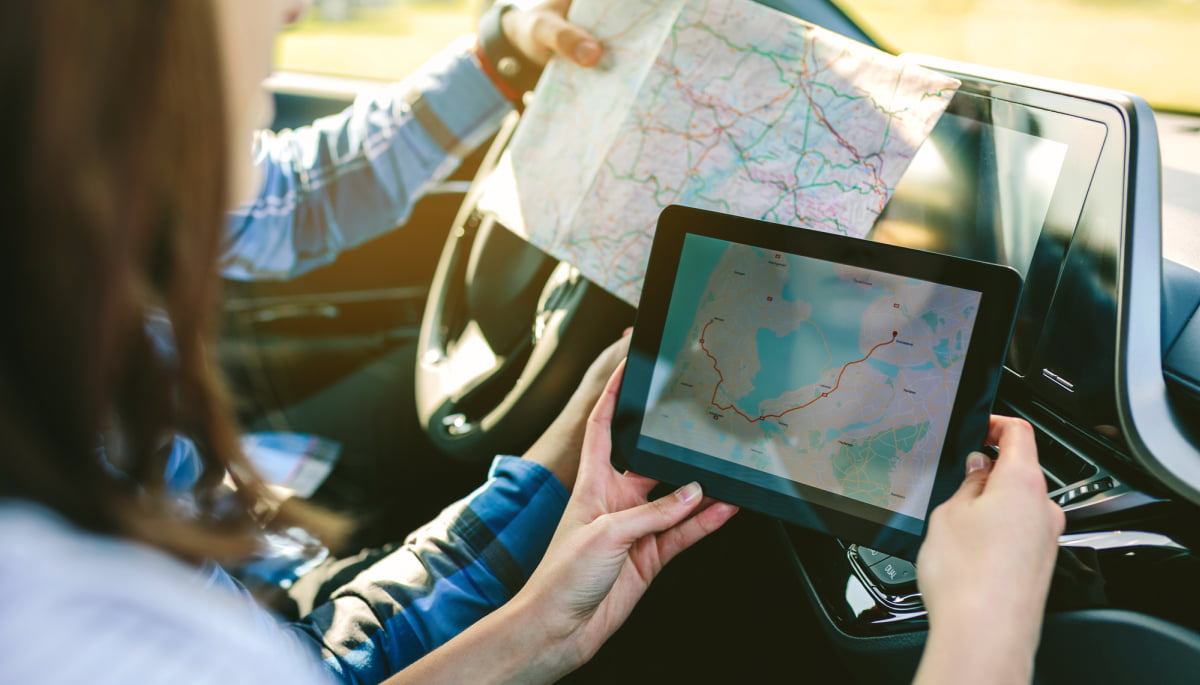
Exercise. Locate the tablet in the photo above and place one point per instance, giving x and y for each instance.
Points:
(832, 382)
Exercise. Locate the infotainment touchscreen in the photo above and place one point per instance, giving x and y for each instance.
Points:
(1001, 182)
(834, 382)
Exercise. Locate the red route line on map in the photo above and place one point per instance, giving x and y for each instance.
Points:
(780, 415)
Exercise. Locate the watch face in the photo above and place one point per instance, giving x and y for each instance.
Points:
(508, 67)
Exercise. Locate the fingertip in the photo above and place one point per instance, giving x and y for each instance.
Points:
(976, 461)
(711, 507)
(660, 514)
(576, 44)
(978, 467)
(1016, 442)
(689, 493)
(587, 53)
(718, 514)
(691, 529)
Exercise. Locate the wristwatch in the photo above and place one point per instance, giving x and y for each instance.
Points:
(509, 69)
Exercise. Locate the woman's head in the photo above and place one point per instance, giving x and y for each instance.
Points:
(121, 116)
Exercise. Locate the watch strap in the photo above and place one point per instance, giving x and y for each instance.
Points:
(501, 60)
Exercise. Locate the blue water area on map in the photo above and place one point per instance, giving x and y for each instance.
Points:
(889, 370)
(770, 428)
(787, 362)
(942, 350)
(946, 353)
(859, 425)
(838, 305)
(697, 261)
(819, 348)
(932, 319)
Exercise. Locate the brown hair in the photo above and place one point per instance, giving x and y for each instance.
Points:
(114, 191)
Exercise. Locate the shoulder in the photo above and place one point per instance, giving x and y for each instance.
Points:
(91, 608)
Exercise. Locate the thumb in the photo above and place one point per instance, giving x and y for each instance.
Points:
(978, 468)
(568, 40)
(659, 515)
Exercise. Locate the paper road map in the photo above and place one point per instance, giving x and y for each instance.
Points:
(718, 104)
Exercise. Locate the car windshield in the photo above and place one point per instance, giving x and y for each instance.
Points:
(1146, 47)
(372, 39)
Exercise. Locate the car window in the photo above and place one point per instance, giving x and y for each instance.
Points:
(1147, 47)
(373, 39)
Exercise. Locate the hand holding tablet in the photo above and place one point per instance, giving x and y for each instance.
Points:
(833, 382)
(978, 553)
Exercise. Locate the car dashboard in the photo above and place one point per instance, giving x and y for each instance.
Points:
(1062, 182)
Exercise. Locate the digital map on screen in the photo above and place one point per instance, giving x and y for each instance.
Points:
(833, 376)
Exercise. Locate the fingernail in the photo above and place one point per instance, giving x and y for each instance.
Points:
(688, 492)
(976, 461)
(587, 52)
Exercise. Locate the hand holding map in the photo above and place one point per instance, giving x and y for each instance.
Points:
(718, 104)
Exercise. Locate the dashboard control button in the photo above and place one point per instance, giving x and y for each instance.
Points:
(893, 573)
(871, 557)
(1082, 492)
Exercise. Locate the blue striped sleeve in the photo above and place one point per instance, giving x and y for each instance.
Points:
(353, 176)
(458, 568)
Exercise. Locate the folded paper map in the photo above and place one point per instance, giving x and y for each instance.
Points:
(719, 104)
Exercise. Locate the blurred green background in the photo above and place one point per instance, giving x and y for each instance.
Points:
(1148, 47)
(374, 39)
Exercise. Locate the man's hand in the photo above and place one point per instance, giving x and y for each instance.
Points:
(541, 30)
(985, 567)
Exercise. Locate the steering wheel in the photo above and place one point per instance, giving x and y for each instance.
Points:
(507, 333)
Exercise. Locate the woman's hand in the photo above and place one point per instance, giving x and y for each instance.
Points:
(985, 567)
(610, 544)
(541, 30)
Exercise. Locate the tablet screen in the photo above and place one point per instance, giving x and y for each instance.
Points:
(812, 372)
(832, 382)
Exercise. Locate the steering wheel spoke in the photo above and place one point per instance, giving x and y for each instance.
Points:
(507, 334)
